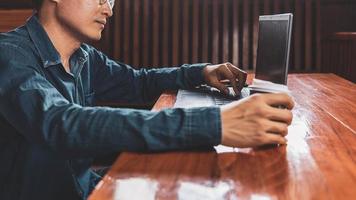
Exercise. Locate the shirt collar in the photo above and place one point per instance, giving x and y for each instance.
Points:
(48, 53)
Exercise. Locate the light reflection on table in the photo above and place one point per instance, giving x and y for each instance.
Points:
(317, 163)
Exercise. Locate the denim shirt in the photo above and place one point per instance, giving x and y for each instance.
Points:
(50, 129)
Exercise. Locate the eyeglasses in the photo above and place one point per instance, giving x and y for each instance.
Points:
(111, 2)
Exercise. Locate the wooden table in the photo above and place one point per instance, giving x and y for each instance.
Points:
(319, 161)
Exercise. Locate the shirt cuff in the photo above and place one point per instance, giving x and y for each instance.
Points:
(204, 127)
(195, 74)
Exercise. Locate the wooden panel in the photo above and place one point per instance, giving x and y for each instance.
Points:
(337, 15)
(165, 39)
(185, 31)
(297, 37)
(146, 33)
(235, 33)
(176, 32)
(266, 7)
(10, 19)
(318, 35)
(164, 32)
(225, 50)
(339, 55)
(137, 36)
(255, 17)
(195, 32)
(206, 16)
(134, 37)
(308, 37)
(246, 35)
(117, 22)
(276, 7)
(317, 163)
(155, 33)
(18, 4)
(215, 31)
(127, 34)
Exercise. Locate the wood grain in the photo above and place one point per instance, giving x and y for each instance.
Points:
(317, 163)
(339, 50)
(10, 19)
(160, 33)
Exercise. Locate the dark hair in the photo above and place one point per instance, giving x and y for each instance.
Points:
(37, 4)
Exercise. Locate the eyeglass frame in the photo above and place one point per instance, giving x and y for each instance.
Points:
(111, 3)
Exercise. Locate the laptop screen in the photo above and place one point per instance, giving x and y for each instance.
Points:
(273, 48)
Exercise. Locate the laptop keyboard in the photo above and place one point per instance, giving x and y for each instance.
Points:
(206, 96)
(223, 99)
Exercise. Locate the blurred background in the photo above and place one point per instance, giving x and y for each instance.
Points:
(158, 33)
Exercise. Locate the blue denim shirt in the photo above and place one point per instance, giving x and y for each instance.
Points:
(50, 130)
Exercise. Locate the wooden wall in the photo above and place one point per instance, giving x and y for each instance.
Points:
(338, 34)
(15, 4)
(154, 33)
(10, 19)
(172, 32)
(337, 16)
(339, 52)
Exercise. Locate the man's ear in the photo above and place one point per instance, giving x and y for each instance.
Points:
(54, 1)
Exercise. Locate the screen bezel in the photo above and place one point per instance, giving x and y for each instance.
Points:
(286, 17)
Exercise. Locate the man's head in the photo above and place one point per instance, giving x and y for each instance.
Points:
(83, 19)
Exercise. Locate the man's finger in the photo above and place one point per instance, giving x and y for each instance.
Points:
(270, 138)
(228, 74)
(279, 99)
(215, 83)
(240, 74)
(280, 115)
(277, 128)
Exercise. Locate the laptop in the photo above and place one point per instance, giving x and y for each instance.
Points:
(274, 38)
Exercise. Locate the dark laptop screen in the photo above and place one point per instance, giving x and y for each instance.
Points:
(273, 49)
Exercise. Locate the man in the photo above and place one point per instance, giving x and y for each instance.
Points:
(50, 80)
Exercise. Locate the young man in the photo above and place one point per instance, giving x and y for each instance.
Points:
(50, 80)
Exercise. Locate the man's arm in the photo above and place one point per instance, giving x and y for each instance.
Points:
(118, 82)
(45, 118)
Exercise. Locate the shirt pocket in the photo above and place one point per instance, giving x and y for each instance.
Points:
(89, 99)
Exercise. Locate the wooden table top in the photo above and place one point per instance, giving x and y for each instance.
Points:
(319, 161)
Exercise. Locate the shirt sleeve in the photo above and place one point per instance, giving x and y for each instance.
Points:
(119, 82)
(44, 117)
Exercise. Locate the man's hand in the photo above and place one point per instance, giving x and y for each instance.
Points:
(214, 74)
(256, 121)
